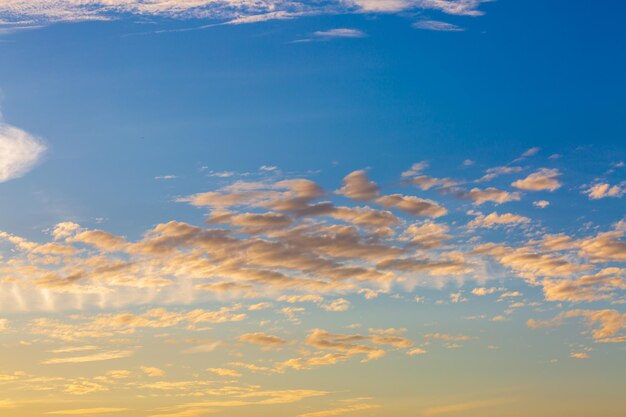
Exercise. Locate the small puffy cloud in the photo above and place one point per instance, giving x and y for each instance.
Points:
(412, 205)
(415, 169)
(604, 190)
(491, 194)
(119, 374)
(64, 229)
(19, 152)
(357, 186)
(541, 204)
(545, 179)
(340, 304)
(416, 352)
(224, 372)
(427, 235)
(437, 25)
(481, 291)
(494, 219)
(152, 371)
(306, 298)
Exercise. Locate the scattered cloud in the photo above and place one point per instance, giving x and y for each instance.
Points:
(604, 190)
(231, 11)
(543, 180)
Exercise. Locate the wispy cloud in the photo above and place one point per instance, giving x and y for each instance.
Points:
(437, 25)
(338, 33)
(87, 411)
(103, 356)
(232, 11)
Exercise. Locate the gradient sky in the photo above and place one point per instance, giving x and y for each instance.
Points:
(360, 208)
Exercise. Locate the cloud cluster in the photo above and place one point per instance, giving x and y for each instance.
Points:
(235, 11)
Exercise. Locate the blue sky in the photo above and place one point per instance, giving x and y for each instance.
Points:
(186, 186)
(100, 92)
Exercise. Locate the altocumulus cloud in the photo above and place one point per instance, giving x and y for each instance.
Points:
(19, 152)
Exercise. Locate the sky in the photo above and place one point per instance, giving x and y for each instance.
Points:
(360, 208)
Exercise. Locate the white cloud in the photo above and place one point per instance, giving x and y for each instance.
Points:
(19, 152)
(341, 33)
(231, 11)
(437, 26)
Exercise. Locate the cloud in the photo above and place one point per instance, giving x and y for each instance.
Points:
(543, 180)
(230, 11)
(152, 371)
(357, 186)
(340, 411)
(491, 194)
(340, 33)
(427, 235)
(599, 286)
(262, 339)
(604, 247)
(437, 25)
(416, 169)
(541, 204)
(340, 304)
(494, 219)
(531, 152)
(455, 409)
(481, 291)
(604, 190)
(458, 7)
(19, 152)
(493, 173)
(224, 372)
(530, 263)
(412, 205)
(607, 322)
(88, 411)
(97, 357)
(416, 352)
